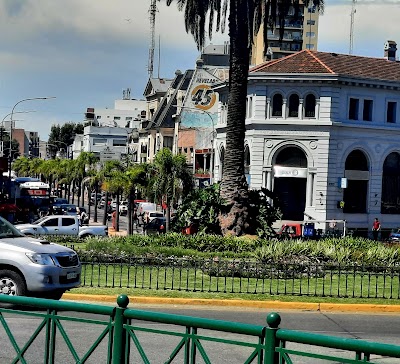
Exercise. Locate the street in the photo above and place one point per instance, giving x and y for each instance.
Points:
(372, 327)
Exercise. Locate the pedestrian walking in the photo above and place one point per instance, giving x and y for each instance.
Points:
(146, 220)
(376, 227)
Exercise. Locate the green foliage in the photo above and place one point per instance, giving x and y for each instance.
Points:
(200, 207)
(262, 213)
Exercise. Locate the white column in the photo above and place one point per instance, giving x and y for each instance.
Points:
(317, 108)
(268, 108)
(284, 109)
(310, 189)
(300, 110)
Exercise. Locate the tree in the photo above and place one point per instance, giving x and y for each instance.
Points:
(170, 179)
(244, 21)
(63, 133)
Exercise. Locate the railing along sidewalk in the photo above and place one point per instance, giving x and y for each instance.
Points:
(131, 334)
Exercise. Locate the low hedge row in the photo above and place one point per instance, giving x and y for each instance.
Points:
(348, 250)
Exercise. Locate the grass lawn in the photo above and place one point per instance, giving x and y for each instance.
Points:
(332, 286)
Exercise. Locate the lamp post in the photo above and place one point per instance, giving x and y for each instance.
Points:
(11, 119)
(2, 129)
(212, 139)
(66, 146)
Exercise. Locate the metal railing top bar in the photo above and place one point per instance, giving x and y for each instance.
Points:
(198, 322)
(334, 342)
(57, 305)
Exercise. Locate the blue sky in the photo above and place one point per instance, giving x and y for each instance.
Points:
(85, 52)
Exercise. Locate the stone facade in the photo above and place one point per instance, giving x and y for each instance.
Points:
(324, 132)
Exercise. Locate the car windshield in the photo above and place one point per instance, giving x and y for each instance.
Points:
(7, 230)
(40, 220)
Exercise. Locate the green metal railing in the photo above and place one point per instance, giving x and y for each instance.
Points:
(187, 340)
(243, 276)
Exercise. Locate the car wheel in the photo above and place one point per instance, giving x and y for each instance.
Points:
(12, 283)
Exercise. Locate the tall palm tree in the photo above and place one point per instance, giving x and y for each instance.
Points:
(171, 178)
(244, 21)
(136, 178)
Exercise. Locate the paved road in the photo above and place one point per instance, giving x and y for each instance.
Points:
(123, 220)
(380, 328)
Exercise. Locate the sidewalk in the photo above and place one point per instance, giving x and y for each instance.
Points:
(112, 232)
(268, 305)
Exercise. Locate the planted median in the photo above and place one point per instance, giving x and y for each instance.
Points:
(350, 267)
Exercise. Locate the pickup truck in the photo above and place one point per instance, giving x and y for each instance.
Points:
(62, 225)
(33, 267)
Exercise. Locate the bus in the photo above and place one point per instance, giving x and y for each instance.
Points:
(31, 196)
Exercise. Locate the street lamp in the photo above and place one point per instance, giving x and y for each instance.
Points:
(212, 138)
(2, 128)
(11, 119)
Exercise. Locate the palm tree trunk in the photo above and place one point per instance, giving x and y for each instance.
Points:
(130, 210)
(117, 213)
(167, 215)
(233, 186)
(96, 188)
(105, 209)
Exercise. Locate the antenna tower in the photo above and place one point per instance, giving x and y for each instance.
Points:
(152, 11)
(353, 11)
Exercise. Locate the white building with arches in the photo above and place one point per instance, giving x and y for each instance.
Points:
(323, 133)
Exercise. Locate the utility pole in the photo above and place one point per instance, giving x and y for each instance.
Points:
(152, 11)
(353, 11)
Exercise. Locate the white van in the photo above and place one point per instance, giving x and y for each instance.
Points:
(144, 207)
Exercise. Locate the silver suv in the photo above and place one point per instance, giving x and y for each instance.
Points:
(32, 267)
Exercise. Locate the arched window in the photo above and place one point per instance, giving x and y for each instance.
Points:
(355, 196)
(309, 106)
(291, 157)
(277, 102)
(294, 102)
(221, 162)
(246, 160)
(390, 203)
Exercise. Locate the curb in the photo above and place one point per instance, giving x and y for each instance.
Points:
(275, 305)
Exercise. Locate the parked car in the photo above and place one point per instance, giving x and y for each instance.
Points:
(93, 196)
(35, 267)
(156, 226)
(65, 209)
(154, 214)
(60, 201)
(123, 208)
(62, 225)
(394, 236)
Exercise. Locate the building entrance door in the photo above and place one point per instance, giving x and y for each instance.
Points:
(290, 182)
(292, 197)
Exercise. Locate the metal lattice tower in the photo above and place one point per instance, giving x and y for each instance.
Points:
(353, 11)
(152, 11)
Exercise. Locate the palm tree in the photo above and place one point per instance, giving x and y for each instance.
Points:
(244, 21)
(170, 179)
(136, 177)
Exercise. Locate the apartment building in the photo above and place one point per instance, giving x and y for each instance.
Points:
(300, 32)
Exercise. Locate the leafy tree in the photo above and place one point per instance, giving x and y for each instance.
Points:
(62, 135)
(244, 20)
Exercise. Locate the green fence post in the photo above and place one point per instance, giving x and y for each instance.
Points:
(273, 321)
(118, 353)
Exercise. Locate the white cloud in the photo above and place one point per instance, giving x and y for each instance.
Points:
(126, 20)
(374, 23)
